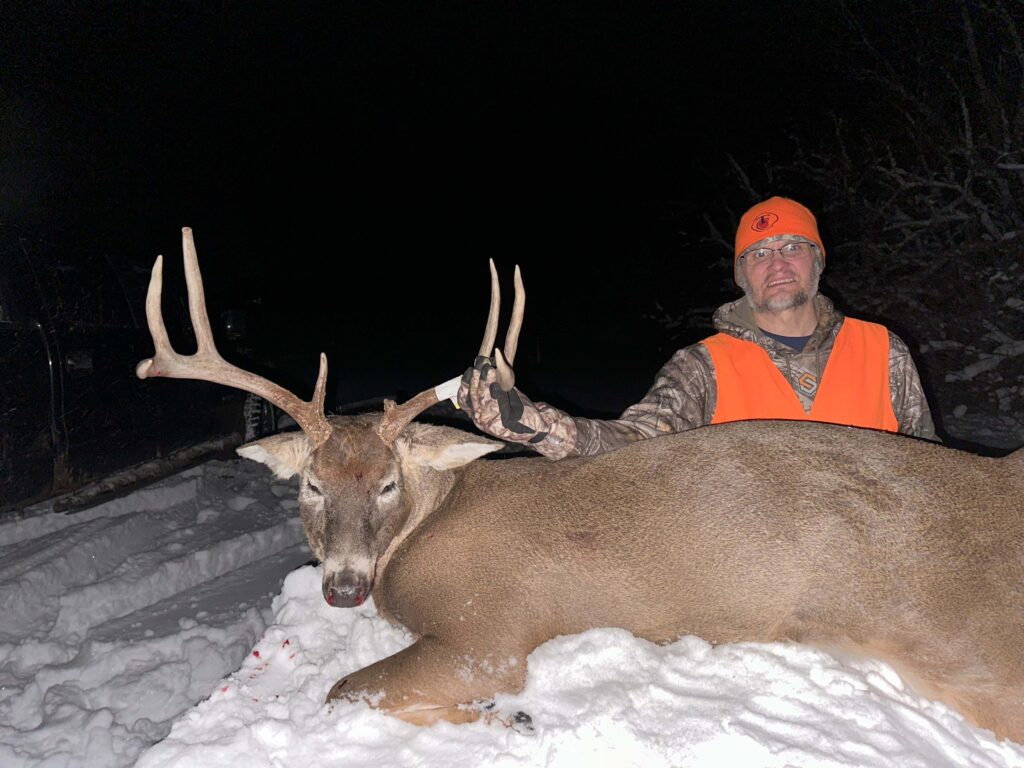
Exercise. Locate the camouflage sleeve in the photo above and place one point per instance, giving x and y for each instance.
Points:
(908, 400)
(681, 398)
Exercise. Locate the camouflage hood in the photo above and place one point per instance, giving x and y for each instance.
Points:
(737, 319)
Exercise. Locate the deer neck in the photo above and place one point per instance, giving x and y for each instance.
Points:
(427, 489)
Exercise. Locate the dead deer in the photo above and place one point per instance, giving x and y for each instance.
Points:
(843, 538)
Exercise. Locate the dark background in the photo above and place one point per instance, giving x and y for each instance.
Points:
(348, 168)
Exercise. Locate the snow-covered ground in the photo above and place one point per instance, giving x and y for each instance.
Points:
(182, 625)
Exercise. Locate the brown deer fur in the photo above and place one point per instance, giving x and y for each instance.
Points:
(759, 531)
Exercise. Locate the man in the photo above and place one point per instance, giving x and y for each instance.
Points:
(783, 351)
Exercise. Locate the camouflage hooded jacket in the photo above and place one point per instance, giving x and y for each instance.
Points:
(684, 393)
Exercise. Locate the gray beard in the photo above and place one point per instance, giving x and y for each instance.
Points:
(772, 306)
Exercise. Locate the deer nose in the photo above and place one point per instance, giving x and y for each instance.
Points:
(346, 590)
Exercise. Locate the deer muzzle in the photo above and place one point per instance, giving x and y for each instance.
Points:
(346, 589)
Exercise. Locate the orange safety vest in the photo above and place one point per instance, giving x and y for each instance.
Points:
(853, 390)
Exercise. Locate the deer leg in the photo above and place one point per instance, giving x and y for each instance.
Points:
(1000, 711)
(429, 681)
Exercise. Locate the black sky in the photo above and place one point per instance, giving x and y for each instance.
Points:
(358, 162)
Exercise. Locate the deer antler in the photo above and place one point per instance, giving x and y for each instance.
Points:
(207, 364)
(506, 377)
(397, 417)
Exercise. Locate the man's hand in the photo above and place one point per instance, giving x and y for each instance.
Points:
(508, 415)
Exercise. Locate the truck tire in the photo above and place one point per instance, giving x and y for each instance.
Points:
(260, 417)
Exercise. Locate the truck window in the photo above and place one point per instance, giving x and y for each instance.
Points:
(85, 291)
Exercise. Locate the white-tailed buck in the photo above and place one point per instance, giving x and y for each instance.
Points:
(842, 538)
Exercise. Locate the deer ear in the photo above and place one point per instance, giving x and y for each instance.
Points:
(285, 455)
(449, 455)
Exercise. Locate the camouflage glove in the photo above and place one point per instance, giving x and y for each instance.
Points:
(511, 416)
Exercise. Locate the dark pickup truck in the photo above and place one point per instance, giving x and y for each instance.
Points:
(72, 328)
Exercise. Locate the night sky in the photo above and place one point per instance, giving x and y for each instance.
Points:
(353, 165)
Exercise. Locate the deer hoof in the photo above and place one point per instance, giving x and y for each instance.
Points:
(521, 723)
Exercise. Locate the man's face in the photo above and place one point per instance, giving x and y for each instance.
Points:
(780, 279)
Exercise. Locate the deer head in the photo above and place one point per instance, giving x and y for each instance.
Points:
(365, 481)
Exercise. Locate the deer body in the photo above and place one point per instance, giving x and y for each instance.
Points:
(848, 539)
(916, 556)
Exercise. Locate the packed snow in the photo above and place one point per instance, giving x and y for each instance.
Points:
(183, 625)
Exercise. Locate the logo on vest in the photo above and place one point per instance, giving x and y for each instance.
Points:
(807, 382)
(764, 221)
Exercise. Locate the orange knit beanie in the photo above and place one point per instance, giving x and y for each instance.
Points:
(775, 217)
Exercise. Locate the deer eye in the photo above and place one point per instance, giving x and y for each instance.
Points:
(312, 487)
(389, 489)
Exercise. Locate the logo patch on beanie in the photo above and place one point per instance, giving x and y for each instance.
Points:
(764, 221)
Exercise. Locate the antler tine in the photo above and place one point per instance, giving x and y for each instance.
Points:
(491, 331)
(516, 323)
(197, 298)
(397, 417)
(207, 364)
(320, 388)
(506, 376)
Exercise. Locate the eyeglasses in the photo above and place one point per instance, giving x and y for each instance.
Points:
(794, 250)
